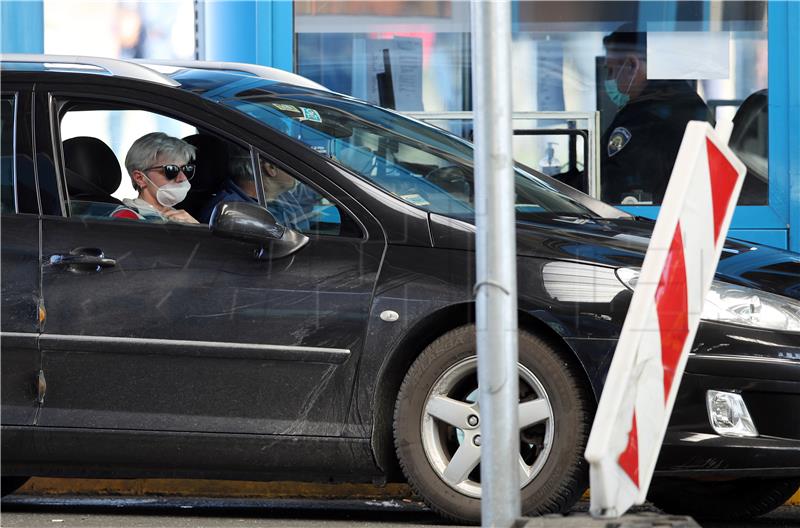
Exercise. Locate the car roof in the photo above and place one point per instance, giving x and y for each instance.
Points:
(164, 72)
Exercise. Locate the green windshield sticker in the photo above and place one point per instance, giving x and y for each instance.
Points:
(286, 107)
(529, 208)
(311, 114)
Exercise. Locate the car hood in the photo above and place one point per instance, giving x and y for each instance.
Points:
(623, 243)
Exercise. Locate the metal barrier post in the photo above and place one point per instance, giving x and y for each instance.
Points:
(496, 288)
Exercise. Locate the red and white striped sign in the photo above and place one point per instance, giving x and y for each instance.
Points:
(662, 320)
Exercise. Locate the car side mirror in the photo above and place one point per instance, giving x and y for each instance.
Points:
(251, 222)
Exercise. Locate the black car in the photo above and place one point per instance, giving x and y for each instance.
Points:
(338, 344)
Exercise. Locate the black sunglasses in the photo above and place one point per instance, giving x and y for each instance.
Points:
(171, 171)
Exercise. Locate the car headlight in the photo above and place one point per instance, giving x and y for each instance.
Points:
(729, 303)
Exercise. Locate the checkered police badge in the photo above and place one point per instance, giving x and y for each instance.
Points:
(619, 138)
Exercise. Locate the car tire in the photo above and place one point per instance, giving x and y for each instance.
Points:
(9, 485)
(721, 500)
(553, 448)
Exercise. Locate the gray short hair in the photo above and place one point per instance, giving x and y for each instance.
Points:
(145, 151)
(241, 168)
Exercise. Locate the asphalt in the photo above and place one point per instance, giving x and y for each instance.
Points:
(179, 512)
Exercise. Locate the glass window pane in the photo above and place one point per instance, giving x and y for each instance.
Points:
(417, 163)
(18, 192)
(7, 155)
(403, 55)
(163, 183)
(298, 206)
(646, 81)
(118, 129)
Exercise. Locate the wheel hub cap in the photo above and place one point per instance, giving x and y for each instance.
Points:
(451, 432)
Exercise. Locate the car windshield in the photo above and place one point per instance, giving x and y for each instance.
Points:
(418, 163)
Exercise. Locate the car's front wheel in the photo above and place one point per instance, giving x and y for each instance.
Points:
(437, 427)
(722, 500)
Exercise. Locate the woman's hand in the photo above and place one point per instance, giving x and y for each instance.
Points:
(179, 215)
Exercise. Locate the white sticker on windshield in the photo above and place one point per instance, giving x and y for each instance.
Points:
(311, 114)
(286, 107)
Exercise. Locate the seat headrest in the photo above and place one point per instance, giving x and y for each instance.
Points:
(211, 160)
(750, 142)
(751, 114)
(92, 167)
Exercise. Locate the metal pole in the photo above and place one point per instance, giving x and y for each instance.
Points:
(200, 30)
(496, 289)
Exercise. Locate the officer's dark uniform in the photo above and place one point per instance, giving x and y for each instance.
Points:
(640, 146)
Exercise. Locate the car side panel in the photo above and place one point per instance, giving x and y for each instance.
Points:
(68, 452)
(432, 291)
(191, 332)
(20, 322)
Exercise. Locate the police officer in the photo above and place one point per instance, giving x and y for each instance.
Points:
(640, 146)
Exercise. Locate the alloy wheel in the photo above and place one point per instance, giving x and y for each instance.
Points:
(451, 427)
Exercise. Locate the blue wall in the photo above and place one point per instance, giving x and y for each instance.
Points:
(791, 74)
(21, 26)
(255, 31)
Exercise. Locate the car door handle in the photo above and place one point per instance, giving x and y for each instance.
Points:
(82, 260)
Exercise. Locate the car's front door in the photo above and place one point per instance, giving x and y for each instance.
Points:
(176, 329)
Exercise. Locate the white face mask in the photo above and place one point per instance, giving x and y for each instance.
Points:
(171, 193)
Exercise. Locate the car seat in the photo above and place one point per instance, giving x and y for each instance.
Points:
(92, 170)
(211, 170)
(749, 140)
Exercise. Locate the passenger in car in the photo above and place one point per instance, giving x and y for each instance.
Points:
(240, 187)
(289, 202)
(160, 169)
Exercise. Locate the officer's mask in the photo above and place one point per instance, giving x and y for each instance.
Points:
(618, 97)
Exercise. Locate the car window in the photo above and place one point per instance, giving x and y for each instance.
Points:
(144, 166)
(418, 163)
(223, 171)
(118, 129)
(299, 206)
(17, 178)
(7, 155)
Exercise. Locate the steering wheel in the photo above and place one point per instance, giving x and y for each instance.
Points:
(453, 179)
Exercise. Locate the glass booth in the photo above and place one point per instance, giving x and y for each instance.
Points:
(601, 90)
